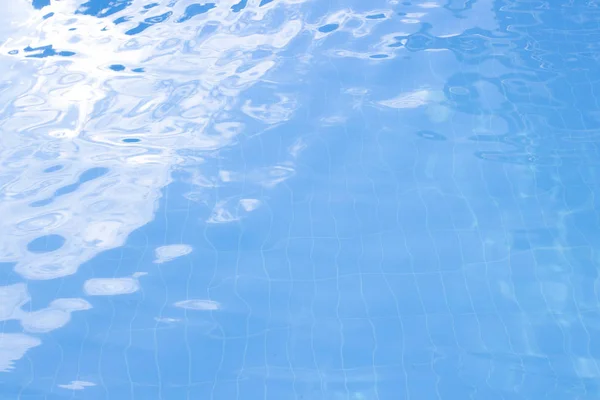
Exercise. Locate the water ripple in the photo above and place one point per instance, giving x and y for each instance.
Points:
(92, 109)
(430, 206)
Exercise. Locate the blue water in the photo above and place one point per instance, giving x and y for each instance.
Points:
(299, 199)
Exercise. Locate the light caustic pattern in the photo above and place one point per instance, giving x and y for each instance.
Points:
(294, 199)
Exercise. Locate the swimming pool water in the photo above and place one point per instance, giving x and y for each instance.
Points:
(299, 199)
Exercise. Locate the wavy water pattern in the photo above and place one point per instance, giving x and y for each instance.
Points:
(294, 199)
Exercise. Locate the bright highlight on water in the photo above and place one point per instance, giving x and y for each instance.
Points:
(299, 199)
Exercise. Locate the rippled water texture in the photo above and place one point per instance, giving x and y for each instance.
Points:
(299, 199)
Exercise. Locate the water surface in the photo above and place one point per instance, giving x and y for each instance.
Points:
(299, 199)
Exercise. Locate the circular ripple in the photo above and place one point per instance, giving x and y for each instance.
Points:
(110, 286)
(28, 101)
(70, 79)
(46, 244)
(40, 222)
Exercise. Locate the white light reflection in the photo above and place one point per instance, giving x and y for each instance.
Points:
(168, 253)
(13, 298)
(57, 315)
(67, 115)
(74, 112)
(200, 305)
(112, 286)
(77, 385)
(13, 346)
(414, 99)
